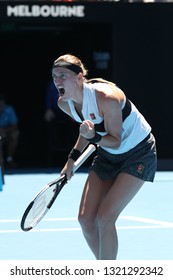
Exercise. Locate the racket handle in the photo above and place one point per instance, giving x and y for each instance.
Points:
(91, 148)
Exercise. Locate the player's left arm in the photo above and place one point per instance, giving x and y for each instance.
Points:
(110, 107)
(111, 110)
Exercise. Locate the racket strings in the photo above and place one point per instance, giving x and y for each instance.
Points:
(40, 207)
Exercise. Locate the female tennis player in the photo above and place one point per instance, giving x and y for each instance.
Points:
(126, 153)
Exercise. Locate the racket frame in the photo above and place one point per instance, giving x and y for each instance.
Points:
(59, 184)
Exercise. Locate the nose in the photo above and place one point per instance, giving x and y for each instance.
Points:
(57, 81)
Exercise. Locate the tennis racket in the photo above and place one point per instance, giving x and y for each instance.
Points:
(44, 200)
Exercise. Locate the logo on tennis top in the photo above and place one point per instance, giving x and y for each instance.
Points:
(140, 168)
(93, 117)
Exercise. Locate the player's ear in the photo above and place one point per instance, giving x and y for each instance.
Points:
(79, 78)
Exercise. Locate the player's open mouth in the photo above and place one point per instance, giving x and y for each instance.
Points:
(61, 91)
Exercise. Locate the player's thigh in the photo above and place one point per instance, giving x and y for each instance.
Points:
(120, 194)
(94, 192)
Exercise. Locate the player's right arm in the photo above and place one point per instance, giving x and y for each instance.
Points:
(80, 144)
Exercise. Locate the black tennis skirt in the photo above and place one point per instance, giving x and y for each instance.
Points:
(141, 161)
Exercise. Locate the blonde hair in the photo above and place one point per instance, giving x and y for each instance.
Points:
(71, 60)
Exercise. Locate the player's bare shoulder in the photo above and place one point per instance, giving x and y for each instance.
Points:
(108, 95)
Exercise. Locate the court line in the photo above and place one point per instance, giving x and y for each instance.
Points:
(45, 220)
(130, 218)
(147, 220)
(155, 224)
(79, 229)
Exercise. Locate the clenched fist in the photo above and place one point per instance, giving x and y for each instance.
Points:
(87, 129)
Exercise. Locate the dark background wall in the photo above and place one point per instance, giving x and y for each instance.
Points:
(134, 43)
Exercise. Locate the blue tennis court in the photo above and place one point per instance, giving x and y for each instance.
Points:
(145, 227)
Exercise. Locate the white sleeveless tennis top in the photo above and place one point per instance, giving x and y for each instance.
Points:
(135, 127)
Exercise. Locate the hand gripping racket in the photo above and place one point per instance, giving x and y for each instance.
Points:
(45, 198)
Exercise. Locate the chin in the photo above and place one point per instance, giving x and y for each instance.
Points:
(64, 98)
